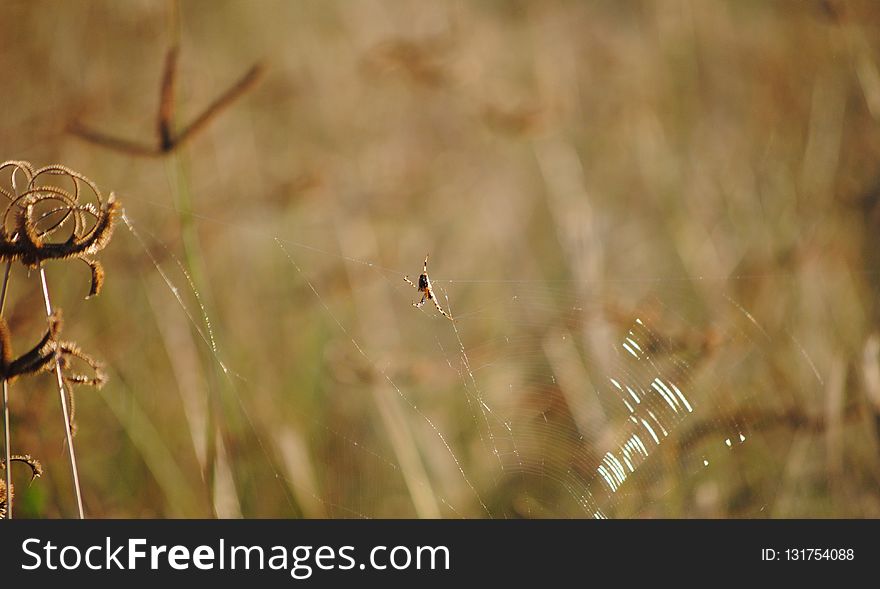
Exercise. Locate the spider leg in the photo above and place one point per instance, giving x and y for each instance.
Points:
(410, 282)
(426, 264)
(421, 302)
(439, 308)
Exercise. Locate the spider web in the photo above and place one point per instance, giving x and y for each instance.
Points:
(537, 401)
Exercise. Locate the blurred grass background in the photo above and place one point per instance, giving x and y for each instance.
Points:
(709, 167)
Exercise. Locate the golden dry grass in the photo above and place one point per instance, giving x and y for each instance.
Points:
(708, 167)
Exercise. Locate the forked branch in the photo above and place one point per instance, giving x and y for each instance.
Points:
(168, 140)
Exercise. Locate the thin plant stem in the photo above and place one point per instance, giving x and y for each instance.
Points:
(6, 421)
(63, 397)
(192, 253)
(7, 445)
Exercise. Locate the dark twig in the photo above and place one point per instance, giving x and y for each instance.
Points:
(168, 140)
(248, 81)
(166, 101)
(112, 143)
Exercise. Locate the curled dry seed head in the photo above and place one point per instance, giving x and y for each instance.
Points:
(3, 498)
(67, 353)
(44, 356)
(36, 359)
(5, 345)
(97, 276)
(47, 218)
(36, 471)
(45, 353)
(30, 461)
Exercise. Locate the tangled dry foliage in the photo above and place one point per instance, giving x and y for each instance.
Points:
(48, 217)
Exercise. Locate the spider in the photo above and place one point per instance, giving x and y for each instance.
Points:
(424, 286)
